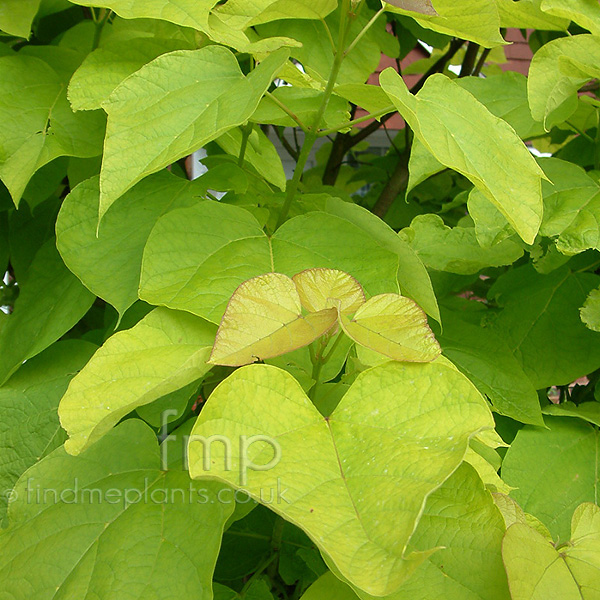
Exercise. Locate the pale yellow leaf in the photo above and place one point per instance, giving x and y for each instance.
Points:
(326, 288)
(395, 326)
(264, 319)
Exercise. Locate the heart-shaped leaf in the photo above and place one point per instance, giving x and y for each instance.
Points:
(323, 288)
(357, 481)
(394, 326)
(537, 570)
(112, 523)
(264, 319)
(164, 352)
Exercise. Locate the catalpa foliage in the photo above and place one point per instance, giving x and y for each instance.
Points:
(325, 369)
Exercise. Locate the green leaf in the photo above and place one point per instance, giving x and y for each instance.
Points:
(239, 14)
(164, 352)
(412, 275)
(105, 68)
(260, 153)
(554, 470)
(113, 522)
(505, 96)
(475, 20)
(487, 361)
(264, 319)
(583, 12)
(540, 323)
(189, 13)
(50, 302)
(558, 69)
(16, 16)
(210, 244)
(455, 250)
(151, 122)
(348, 481)
(527, 14)
(588, 411)
(329, 587)
(30, 429)
(461, 518)
(394, 326)
(322, 240)
(454, 127)
(316, 53)
(109, 262)
(538, 570)
(571, 206)
(305, 104)
(39, 124)
(590, 311)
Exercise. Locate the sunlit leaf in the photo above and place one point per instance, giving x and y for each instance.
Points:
(323, 288)
(264, 319)
(357, 481)
(394, 326)
(538, 570)
(152, 121)
(454, 127)
(165, 351)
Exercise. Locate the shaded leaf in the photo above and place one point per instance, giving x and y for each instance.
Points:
(540, 323)
(30, 429)
(554, 470)
(588, 411)
(51, 301)
(109, 261)
(122, 523)
(456, 250)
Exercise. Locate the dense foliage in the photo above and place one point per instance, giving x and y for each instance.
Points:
(379, 378)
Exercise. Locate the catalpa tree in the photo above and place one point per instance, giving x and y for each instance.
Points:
(373, 377)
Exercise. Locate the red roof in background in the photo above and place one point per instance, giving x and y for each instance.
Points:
(518, 56)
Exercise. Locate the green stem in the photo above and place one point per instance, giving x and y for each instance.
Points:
(597, 146)
(580, 132)
(311, 135)
(364, 31)
(258, 573)
(287, 110)
(375, 115)
(246, 131)
(100, 23)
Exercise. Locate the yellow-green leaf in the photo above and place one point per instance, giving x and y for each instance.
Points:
(537, 570)
(462, 134)
(152, 122)
(394, 326)
(583, 12)
(165, 351)
(355, 482)
(264, 319)
(325, 288)
(475, 20)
